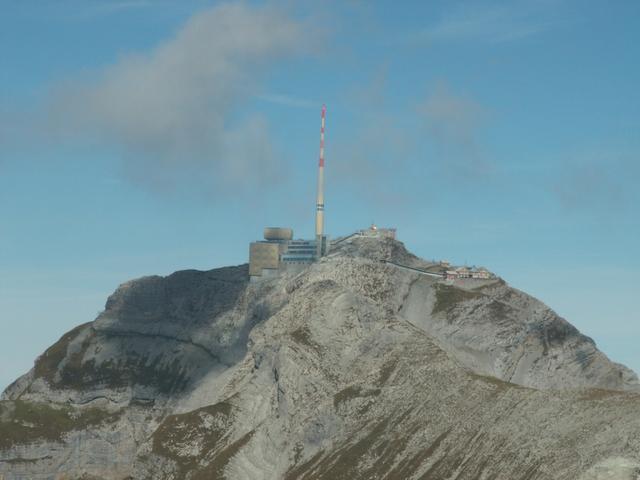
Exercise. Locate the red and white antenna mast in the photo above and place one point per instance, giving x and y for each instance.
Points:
(320, 196)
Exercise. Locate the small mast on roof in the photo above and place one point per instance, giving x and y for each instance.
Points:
(320, 240)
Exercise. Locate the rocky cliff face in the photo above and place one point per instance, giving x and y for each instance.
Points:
(353, 369)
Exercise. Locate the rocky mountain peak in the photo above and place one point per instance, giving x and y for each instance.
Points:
(368, 364)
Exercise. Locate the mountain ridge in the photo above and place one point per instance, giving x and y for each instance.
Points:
(351, 369)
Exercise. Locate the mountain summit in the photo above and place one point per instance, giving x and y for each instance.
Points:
(363, 366)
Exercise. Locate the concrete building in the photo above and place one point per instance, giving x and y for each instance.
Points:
(279, 251)
(264, 256)
(481, 273)
(264, 259)
(465, 272)
(299, 252)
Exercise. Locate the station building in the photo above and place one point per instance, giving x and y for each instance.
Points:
(279, 251)
(377, 232)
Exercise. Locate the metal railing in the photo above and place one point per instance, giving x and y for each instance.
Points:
(419, 270)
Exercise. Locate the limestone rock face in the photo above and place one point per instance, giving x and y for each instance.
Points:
(353, 369)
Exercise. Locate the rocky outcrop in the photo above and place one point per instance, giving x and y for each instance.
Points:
(351, 369)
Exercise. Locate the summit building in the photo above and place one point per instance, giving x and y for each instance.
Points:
(279, 250)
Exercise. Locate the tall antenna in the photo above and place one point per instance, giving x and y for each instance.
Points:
(320, 196)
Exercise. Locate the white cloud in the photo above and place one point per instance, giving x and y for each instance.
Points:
(177, 112)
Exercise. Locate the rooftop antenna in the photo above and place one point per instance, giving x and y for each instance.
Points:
(320, 196)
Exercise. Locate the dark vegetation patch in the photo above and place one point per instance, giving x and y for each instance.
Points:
(556, 333)
(87, 476)
(585, 358)
(367, 456)
(386, 371)
(46, 365)
(406, 468)
(456, 459)
(25, 461)
(131, 369)
(302, 335)
(298, 471)
(215, 468)
(384, 452)
(500, 310)
(594, 394)
(353, 392)
(465, 457)
(491, 285)
(448, 297)
(344, 462)
(500, 385)
(23, 422)
(206, 429)
(181, 429)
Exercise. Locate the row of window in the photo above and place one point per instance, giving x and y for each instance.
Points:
(298, 259)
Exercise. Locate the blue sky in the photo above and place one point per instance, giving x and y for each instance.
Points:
(143, 137)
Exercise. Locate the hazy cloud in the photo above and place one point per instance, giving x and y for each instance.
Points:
(288, 100)
(607, 185)
(588, 185)
(374, 150)
(489, 22)
(177, 112)
(453, 123)
(389, 143)
(374, 154)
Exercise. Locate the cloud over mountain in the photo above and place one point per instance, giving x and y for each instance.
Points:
(454, 123)
(177, 111)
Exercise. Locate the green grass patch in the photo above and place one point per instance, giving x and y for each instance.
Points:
(23, 422)
(203, 432)
(215, 468)
(596, 394)
(167, 375)
(132, 369)
(448, 297)
(47, 364)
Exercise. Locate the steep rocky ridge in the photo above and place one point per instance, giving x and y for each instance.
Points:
(352, 369)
